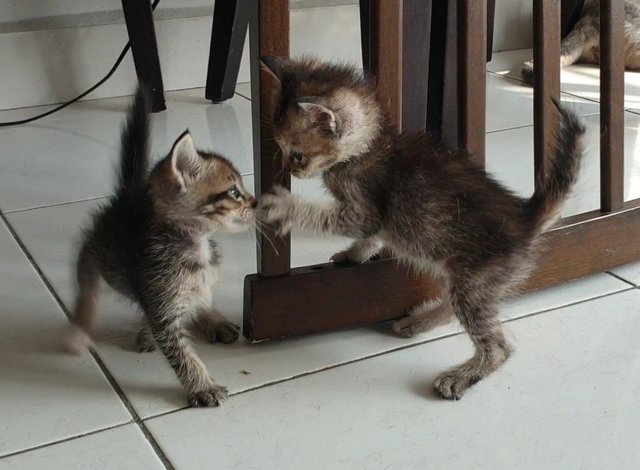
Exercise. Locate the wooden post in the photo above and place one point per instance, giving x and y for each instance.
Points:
(546, 78)
(611, 105)
(472, 73)
(387, 31)
(268, 35)
(416, 29)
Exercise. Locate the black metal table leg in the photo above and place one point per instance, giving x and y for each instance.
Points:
(142, 36)
(230, 22)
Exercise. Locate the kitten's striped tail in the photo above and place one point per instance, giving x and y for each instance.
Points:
(559, 173)
(134, 152)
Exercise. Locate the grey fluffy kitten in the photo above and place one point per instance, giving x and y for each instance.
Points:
(434, 211)
(152, 243)
(582, 44)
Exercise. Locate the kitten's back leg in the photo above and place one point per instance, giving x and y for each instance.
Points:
(424, 317)
(217, 328)
(144, 339)
(475, 305)
(582, 38)
(86, 306)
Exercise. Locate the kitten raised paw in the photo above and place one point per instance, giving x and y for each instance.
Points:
(277, 208)
(208, 398)
(225, 333)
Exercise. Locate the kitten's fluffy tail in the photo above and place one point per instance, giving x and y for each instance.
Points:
(134, 157)
(556, 178)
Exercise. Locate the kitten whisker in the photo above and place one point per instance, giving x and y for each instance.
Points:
(261, 230)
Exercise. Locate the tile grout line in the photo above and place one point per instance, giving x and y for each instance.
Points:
(66, 439)
(77, 201)
(621, 279)
(389, 351)
(572, 94)
(243, 96)
(55, 204)
(94, 354)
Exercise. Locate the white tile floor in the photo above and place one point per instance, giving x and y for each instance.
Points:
(354, 399)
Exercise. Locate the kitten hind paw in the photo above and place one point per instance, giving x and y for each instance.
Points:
(144, 342)
(342, 257)
(212, 397)
(78, 341)
(407, 327)
(225, 333)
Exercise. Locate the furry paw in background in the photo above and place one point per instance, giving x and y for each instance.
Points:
(527, 72)
(278, 208)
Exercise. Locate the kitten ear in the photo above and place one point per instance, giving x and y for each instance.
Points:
(186, 163)
(275, 66)
(319, 115)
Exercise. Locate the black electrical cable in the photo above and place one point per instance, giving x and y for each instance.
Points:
(79, 97)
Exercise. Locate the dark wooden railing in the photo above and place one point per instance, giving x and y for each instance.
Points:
(445, 94)
(612, 105)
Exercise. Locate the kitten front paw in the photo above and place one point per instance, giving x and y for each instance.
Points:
(225, 333)
(214, 396)
(277, 208)
(452, 384)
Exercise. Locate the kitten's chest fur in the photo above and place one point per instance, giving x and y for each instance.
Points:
(198, 270)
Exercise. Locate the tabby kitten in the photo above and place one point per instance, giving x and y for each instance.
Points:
(435, 212)
(582, 44)
(152, 243)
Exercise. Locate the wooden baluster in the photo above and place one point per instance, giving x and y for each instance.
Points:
(472, 82)
(268, 35)
(438, 44)
(546, 78)
(611, 105)
(416, 29)
(386, 55)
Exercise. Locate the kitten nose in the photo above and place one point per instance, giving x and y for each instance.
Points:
(253, 201)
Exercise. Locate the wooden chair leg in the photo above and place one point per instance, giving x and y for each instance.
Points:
(416, 46)
(230, 22)
(142, 36)
(436, 70)
(491, 17)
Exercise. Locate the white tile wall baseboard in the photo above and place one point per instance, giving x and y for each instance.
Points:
(53, 65)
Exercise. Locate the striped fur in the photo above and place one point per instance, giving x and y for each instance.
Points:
(152, 243)
(436, 212)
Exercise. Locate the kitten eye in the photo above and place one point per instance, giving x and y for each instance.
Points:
(234, 193)
(297, 156)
